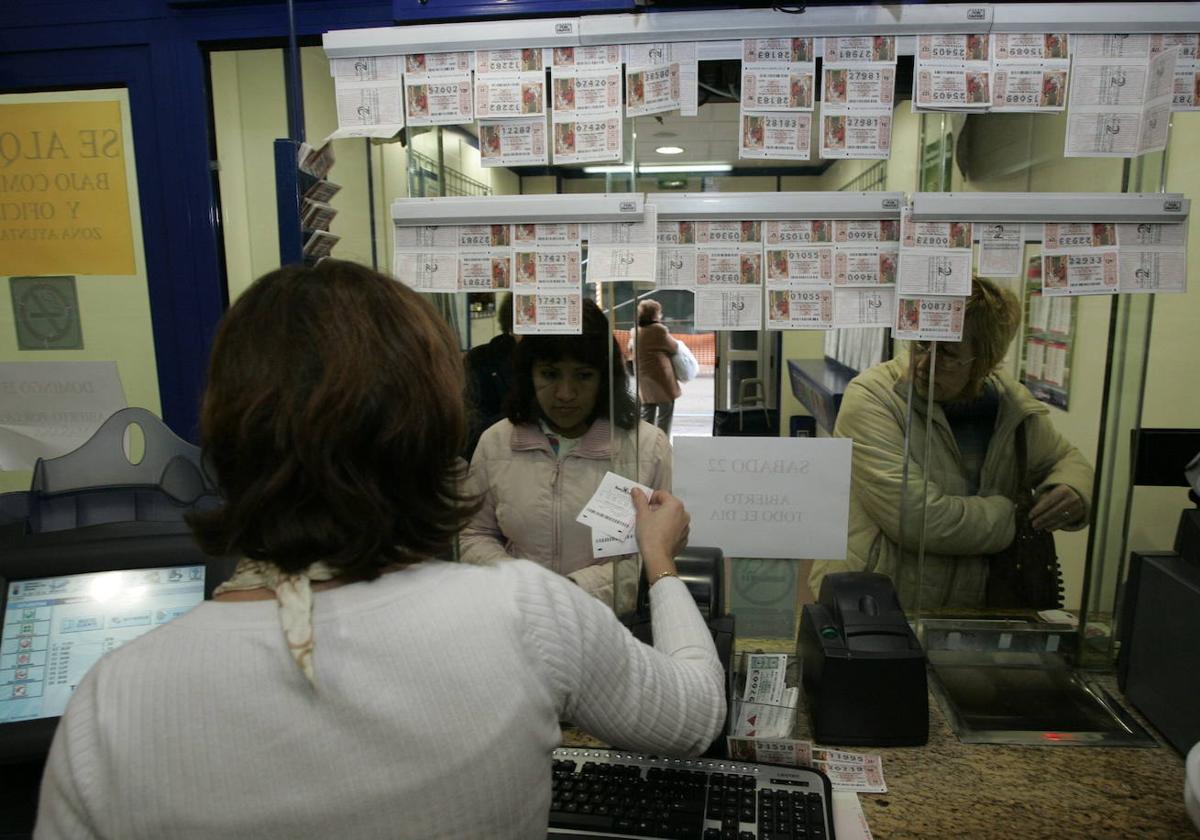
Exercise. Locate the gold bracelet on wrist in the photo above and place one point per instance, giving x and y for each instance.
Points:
(662, 575)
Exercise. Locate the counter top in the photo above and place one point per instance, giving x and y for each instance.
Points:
(947, 789)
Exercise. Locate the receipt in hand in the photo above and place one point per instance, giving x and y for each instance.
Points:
(610, 510)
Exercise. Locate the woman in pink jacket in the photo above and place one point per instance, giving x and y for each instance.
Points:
(537, 469)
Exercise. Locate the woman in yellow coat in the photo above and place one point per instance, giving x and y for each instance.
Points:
(971, 467)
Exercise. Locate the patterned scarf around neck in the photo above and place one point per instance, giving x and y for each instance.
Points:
(293, 593)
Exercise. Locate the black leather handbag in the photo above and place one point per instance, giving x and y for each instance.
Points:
(1026, 575)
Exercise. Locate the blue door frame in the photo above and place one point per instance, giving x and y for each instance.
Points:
(156, 50)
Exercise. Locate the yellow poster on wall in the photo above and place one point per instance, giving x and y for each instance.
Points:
(64, 200)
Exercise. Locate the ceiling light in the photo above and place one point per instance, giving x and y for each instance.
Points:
(669, 150)
(607, 170)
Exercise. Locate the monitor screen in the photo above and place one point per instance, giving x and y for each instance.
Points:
(56, 628)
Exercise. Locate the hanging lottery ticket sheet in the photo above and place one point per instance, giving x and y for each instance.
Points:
(778, 74)
(500, 96)
(1120, 96)
(953, 72)
(864, 307)
(935, 257)
(553, 234)
(772, 135)
(738, 233)
(651, 90)
(805, 232)
(1030, 71)
(547, 298)
(588, 139)
(1152, 258)
(799, 309)
(546, 267)
(484, 257)
(675, 267)
(929, 318)
(369, 92)
(437, 89)
(585, 84)
(857, 95)
(509, 83)
(793, 266)
(1079, 259)
(660, 77)
(547, 313)
(1001, 249)
(729, 309)
(866, 252)
(866, 265)
(728, 267)
(868, 86)
(676, 255)
(425, 257)
(728, 253)
(484, 270)
(513, 142)
(1185, 95)
(624, 250)
(582, 57)
(855, 133)
(579, 92)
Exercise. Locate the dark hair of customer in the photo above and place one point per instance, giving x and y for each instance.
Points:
(596, 347)
(504, 314)
(333, 438)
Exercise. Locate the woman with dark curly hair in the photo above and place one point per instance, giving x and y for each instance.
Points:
(343, 683)
(537, 469)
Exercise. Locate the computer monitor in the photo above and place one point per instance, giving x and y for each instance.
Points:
(69, 597)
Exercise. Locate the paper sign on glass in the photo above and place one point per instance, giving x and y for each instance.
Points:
(48, 409)
(513, 142)
(766, 497)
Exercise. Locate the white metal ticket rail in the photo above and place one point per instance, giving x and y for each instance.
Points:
(733, 206)
(519, 209)
(1155, 208)
(719, 34)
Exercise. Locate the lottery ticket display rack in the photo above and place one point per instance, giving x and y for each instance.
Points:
(719, 34)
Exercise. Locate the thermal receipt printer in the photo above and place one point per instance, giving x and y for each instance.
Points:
(863, 669)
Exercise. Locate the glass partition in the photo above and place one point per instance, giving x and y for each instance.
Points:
(1091, 393)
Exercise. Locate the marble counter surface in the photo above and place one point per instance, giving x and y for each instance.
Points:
(947, 789)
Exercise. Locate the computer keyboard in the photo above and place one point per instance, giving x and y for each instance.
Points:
(611, 793)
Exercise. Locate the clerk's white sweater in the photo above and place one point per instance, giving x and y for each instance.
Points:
(439, 694)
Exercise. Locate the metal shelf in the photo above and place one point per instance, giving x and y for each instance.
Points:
(518, 209)
(1050, 207)
(777, 205)
(719, 32)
